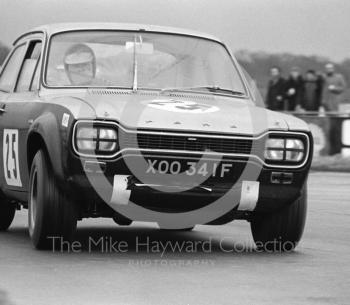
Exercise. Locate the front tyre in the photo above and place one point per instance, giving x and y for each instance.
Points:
(51, 216)
(281, 231)
(7, 213)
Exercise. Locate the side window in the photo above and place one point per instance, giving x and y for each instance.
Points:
(9, 73)
(36, 77)
(29, 65)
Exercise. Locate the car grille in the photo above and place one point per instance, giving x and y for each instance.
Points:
(187, 143)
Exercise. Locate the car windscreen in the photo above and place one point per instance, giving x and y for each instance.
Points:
(152, 60)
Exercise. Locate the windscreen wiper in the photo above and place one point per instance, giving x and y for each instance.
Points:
(215, 89)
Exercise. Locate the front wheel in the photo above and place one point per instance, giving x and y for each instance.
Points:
(281, 231)
(7, 213)
(52, 216)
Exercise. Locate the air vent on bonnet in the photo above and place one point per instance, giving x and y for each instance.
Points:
(118, 92)
(189, 96)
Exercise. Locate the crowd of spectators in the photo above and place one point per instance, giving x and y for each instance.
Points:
(313, 91)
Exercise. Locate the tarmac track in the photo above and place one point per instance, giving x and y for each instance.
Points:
(224, 268)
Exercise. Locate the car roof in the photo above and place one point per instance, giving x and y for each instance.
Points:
(54, 28)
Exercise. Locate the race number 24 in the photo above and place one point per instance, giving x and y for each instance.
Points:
(10, 157)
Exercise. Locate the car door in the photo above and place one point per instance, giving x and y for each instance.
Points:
(15, 120)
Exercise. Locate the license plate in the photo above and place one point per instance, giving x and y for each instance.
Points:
(190, 168)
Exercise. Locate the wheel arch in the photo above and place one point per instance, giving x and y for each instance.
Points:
(45, 134)
(34, 144)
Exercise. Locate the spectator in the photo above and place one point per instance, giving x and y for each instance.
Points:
(334, 85)
(294, 90)
(312, 91)
(275, 91)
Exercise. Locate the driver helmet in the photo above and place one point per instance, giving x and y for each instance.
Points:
(80, 64)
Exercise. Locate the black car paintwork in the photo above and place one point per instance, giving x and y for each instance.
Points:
(37, 123)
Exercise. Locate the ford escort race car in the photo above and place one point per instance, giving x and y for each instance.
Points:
(144, 123)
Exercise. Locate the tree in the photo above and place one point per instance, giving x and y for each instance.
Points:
(258, 65)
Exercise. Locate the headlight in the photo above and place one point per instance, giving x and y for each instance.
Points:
(288, 149)
(86, 138)
(96, 139)
(108, 139)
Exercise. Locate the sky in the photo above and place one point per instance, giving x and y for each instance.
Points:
(308, 27)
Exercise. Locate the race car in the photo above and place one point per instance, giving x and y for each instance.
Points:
(144, 123)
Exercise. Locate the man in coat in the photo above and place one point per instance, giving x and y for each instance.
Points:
(294, 90)
(275, 90)
(313, 84)
(334, 85)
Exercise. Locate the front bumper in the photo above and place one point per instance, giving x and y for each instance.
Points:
(277, 187)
